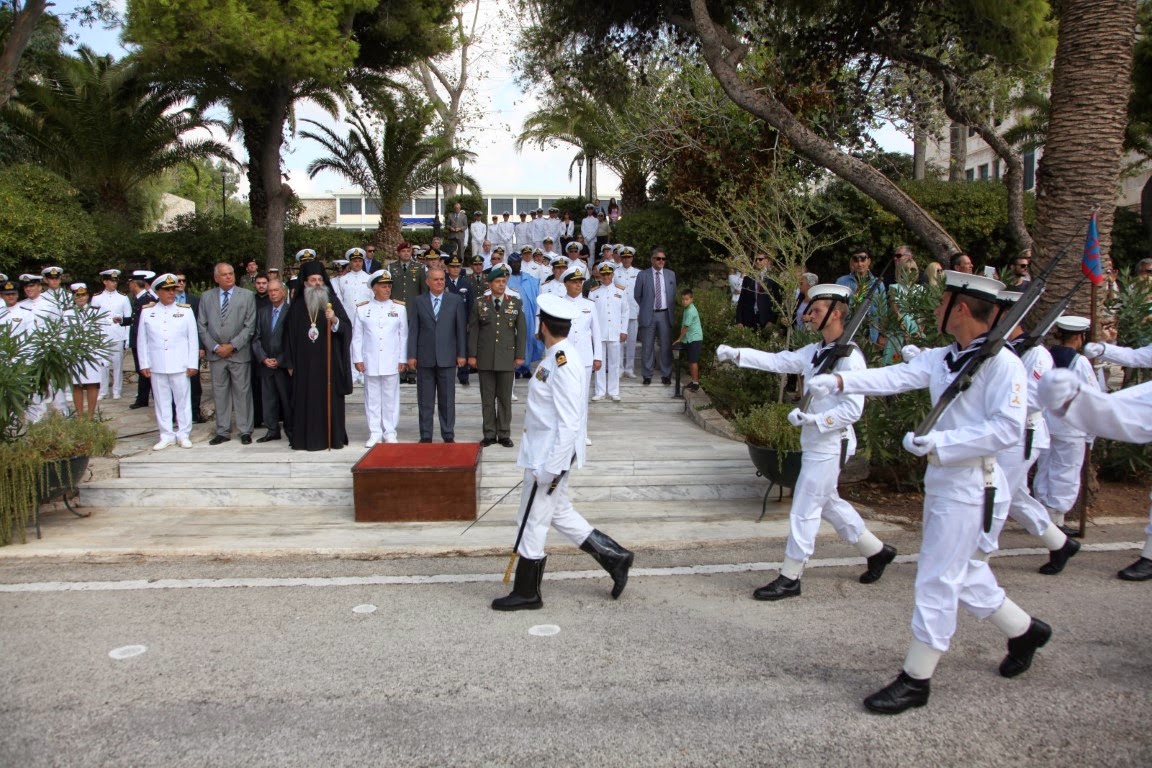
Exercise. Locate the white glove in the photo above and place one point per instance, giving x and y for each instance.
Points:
(727, 354)
(1057, 389)
(799, 418)
(909, 351)
(544, 478)
(919, 446)
(823, 385)
(1093, 350)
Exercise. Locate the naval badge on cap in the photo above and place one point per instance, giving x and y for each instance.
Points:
(52, 272)
(606, 268)
(7, 287)
(354, 253)
(575, 272)
(78, 288)
(380, 276)
(305, 254)
(110, 274)
(166, 280)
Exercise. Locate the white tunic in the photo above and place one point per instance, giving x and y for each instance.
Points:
(611, 310)
(626, 276)
(44, 307)
(168, 340)
(585, 334)
(380, 337)
(18, 320)
(837, 412)
(1057, 426)
(354, 290)
(114, 304)
(1131, 358)
(556, 415)
(1121, 415)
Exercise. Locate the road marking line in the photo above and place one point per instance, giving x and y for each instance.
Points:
(470, 578)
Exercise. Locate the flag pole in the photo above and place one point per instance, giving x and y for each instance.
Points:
(328, 378)
(1086, 468)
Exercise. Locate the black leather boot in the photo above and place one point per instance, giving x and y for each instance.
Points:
(1021, 649)
(612, 557)
(902, 693)
(877, 563)
(780, 588)
(525, 594)
(1058, 558)
(1141, 570)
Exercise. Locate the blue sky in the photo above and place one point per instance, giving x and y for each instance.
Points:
(498, 167)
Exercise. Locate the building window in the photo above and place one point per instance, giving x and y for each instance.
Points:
(970, 175)
(547, 203)
(996, 169)
(425, 206)
(350, 206)
(526, 204)
(371, 207)
(983, 172)
(501, 204)
(1029, 169)
(971, 132)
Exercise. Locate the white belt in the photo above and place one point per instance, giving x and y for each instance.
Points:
(934, 460)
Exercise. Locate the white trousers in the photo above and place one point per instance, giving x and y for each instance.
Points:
(113, 370)
(1022, 508)
(382, 405)
(948, 575)
(608, 377)
(630, 348)
(815, 497)
(166, 388)
(554, 511)
(1057, 481)
(60, 401)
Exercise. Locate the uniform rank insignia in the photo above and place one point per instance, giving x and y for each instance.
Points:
(393, 314)
(561, 359)
(177, 314)
(541, 373)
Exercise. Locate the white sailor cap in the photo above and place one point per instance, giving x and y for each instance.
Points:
(606, 268)
(507, 213)
(627, 251)
(574, 272)
(28, 277)
(562, 309)
(143, 274)
(304, 254)
(830, 291)
(166, 280)
(380, 276)
(354, 253)
(3, 277)
(560, 261)
(976, 286)
(1007, 298)
(606, 247)
(110, 274)
(339, 262)
(572, 246)
(1073, 323)
(78, 288)
(52, 272)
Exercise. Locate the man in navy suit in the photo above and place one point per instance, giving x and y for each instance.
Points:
(437, 346)
(655, 292)
(267, 349)
(371, 263)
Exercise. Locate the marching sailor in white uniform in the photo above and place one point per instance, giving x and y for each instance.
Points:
(961, 448)
(827, 438)
(555, 422)
(379, 353)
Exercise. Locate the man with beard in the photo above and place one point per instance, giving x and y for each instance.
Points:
(317, 337)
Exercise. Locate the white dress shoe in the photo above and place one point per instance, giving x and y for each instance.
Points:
(615, 398)
(184, 443)
(587, 441)
(163, 444)
(391, 440)
(514, 398)
(371, 441)
(597, 398)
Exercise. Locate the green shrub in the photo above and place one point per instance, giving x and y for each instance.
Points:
(662, 226)
(767, 426)
(468, 203)
(41, 220)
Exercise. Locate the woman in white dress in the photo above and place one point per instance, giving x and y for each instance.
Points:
(86, 385)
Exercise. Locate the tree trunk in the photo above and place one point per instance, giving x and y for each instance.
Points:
(276, 111)
(957, 151)
(388, 234)
(763, 104)
(633, 191)
(1083, 152)
(919, 154)
(253, 130)
(590, 181)
(19, 35)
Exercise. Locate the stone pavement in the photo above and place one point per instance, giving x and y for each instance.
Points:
(654, 479)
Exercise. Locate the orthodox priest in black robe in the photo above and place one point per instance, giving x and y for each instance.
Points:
(317, 326)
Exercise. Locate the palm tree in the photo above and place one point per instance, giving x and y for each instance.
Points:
(393, 165)
(100, 124)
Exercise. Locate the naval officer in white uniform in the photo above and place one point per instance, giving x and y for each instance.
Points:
(379, 353)
(168, 345)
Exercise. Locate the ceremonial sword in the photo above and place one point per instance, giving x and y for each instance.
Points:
(528, 511)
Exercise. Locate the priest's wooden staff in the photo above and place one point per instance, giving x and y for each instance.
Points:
(328, 377)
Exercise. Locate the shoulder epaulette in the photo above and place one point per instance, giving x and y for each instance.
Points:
(397, 301)
(149, 305)
(361, 303)
(183, 304)
(621, 287)
(561, 359)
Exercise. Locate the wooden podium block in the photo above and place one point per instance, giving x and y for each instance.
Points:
(417, 482)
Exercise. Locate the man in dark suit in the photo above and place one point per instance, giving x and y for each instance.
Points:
(371, 263)
(267, 348)
(756, 306)
(183, 297)
(437, 346)
(459, 284)
(141, 297)
(655, 292)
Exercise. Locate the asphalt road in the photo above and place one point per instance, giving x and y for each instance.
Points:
(684, 670)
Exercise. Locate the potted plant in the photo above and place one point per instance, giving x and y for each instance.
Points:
(773, 443)
(46, 357)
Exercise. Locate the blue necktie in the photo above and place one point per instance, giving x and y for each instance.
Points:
(224, 305)
(436, 307)
(275, 315)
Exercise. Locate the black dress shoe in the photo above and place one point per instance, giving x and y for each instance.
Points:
(425, 439)
(902, 693)
(463, 382)
(199, 420)
(666, 381)
(877, 563)
(646, 381)
(268, 437)
(487, 442)
(134, 406)
(1141, 570)
(506, 442)
(1070, 531)
(779, 589)
(1058, 558)
(217, 439)
(1022, 649)
(245, 439)
(449, 439)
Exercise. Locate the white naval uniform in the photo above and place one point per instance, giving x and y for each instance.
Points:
(113, 304)
(168, 343)
(554, 286)
(523, 234)
(589, 226)
(981, 422)
(91, 373)
(1024, 508)
(585, 337)
(1057, 481)
(553, 228)
(815, 495)
(555, 428)
(380, 342)
(626, 276)
(18, 320)
(477, 234)
(612, 317)
(49, 305)
(505, 235)
(353, 291)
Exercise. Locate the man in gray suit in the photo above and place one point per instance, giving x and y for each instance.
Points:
(227, 321)
(267, 347)
(437, 346)
(655, 292)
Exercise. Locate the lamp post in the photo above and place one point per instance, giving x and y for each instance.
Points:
(223, 195)
(580, 166)
(436, 220)
(676, 349)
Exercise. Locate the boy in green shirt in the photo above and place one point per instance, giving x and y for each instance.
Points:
(692, 336)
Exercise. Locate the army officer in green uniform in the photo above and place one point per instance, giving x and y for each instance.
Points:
(497, 334)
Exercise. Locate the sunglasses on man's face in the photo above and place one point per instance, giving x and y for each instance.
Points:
(860, 258)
